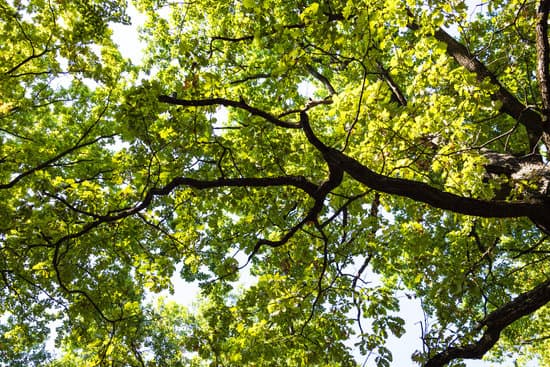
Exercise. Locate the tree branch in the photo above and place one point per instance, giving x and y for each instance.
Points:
(437, 198)
(26, 60)
(397, 95)
(296, 181)
(543, 56)
(49, 162)
(323, 79)
(422, 192)
(229, 103)
(523, 305)
(510, 104)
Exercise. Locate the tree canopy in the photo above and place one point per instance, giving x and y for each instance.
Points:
(340, 153)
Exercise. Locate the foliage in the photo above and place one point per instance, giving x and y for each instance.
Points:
(338, 153)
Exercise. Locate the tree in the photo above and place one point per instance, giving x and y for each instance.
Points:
(345, 153)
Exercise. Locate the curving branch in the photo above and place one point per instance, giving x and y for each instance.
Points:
(56, 260)
(50, 162)
(299, 182)
(422, 192)
(26, 60)
(523, 305)
(320, 77)
(295, 181)
(229, 103)
(418, 191)
(510, 104)
(437, 198)
(78, 145)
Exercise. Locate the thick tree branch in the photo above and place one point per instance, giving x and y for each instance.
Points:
(295, 181)
(422, 192)
(229, 103)
(523, 305)
(543, 56)
(510, 104)
(437, 198)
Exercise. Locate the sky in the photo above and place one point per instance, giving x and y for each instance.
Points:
(127, 39)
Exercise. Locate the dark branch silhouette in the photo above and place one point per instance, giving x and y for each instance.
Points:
(523, 305)
(425, 193)
(543, 58)
(525, 115)
(229, 103)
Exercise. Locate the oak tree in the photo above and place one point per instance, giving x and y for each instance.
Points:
(340, 154)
